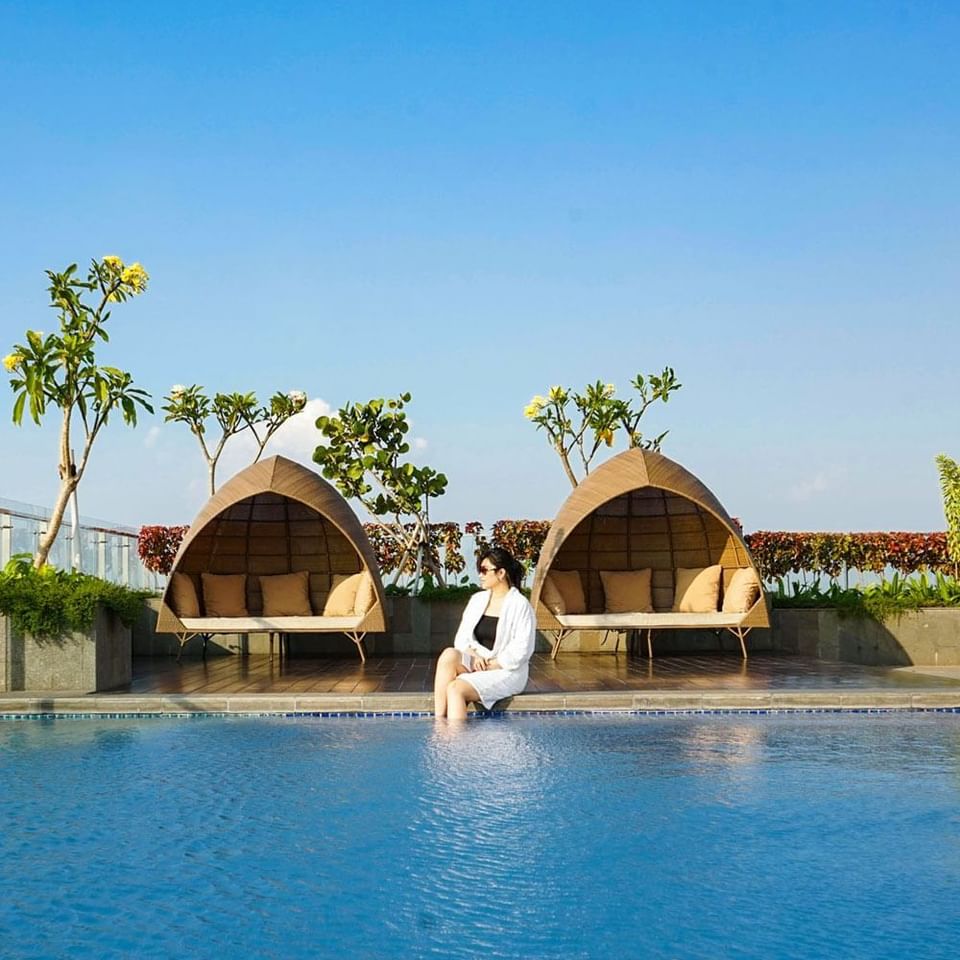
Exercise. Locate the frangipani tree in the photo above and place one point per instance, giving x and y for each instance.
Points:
(582, 423)
(61, 370)
(233, 413)
(949, 471)
(363, 457)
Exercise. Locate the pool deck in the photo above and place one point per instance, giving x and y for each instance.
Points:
(574, 682)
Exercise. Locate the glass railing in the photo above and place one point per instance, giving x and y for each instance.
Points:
(104, 549)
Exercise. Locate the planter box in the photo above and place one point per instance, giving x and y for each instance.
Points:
(927, 637)
(96, 659)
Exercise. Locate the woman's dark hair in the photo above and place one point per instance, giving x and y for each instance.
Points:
(503, 560)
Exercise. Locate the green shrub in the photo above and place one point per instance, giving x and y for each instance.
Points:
(52, 603)
(879, 601)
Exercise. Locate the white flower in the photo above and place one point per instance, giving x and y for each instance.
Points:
(297, 397)
(177, 389)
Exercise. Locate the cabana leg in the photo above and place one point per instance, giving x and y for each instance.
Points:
(357, 638)
(650, 643)
(558, 637)
(741, 634)
(185, 638)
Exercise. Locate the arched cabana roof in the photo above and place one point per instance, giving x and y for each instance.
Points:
(276, 517)
(641, 510)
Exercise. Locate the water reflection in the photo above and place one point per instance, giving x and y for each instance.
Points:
(482, 789)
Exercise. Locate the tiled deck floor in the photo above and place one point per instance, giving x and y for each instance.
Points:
(569, 673)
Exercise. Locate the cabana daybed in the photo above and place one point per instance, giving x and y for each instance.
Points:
(642, 544)
(276, 550)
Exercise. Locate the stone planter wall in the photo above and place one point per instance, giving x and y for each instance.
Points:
(417, 628)
(928, 637)
(97, 659)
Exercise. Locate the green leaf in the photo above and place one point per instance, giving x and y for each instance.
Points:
(18, 407)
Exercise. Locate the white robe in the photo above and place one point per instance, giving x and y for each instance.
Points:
(512, 647)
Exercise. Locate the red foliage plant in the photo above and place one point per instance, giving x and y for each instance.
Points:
(158, 545)
(778, 553)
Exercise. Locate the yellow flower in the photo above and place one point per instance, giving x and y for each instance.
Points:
(557, 393)
(135, 277)
(609, 390)
(533, 408)
(113, 263)
(606, 436)
(11, 361)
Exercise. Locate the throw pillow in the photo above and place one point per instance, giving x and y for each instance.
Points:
(627, 591)
(286, 595)
(366, 595)
(343, 595)
(224, 595)
(570, 585)
(742, 591)
(697, 589)
(183, 596)
(551, 597)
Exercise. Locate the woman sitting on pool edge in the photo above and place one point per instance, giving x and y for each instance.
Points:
(490, 656)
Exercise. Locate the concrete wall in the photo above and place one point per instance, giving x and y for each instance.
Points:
(98, 659)
(928, 637)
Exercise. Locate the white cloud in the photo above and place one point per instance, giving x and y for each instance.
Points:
(819, 483)
(151, 437)
(420, 443)
(299, 436)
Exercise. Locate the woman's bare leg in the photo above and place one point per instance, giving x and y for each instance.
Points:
(459, 694)
(449, 667)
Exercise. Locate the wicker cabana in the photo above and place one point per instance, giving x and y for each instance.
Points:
(275, 517)
(641, 510)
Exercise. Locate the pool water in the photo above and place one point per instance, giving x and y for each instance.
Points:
(773, 836)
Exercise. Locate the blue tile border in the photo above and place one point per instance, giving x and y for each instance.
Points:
(501, 715)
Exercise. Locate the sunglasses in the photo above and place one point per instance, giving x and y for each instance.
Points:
(488, 569)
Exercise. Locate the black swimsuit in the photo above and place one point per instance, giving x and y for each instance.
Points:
(485, 632)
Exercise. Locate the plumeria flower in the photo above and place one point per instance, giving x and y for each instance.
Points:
(113, 263)
(533, 408)
(177, 390)
(11, 361)
(557, 393)
(298, 398)
(135, 277)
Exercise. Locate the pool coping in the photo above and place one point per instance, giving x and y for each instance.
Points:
(14, 706)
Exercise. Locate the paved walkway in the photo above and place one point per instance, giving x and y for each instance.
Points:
(574, 681)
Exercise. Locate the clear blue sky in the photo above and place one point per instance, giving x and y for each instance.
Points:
(473, 201)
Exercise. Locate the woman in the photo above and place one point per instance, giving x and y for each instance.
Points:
(491, 651)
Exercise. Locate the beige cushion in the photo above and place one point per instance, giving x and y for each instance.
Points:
(551, 597)
(224, 595)
(627, 591)
(742, 591)
(343, 595)
(570, 585)
(183, 596)
(366, 595)
(286, 595)
(697, 589)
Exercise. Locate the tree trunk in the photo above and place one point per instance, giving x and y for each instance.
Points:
(67, 486)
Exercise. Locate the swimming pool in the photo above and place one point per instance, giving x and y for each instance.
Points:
(776, 836)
